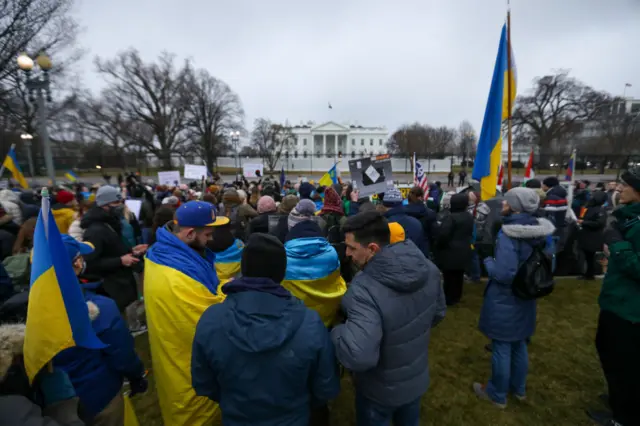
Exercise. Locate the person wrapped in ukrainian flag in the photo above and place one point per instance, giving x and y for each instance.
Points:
(180, 284)
(228, 250)
(313, 267)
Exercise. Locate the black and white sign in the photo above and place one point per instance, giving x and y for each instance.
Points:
(371, 175)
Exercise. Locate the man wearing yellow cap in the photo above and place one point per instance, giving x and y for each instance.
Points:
(180, 284)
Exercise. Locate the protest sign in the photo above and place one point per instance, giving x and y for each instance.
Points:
(253, 170)
(371, 175)
(194, 171)
(171, 178)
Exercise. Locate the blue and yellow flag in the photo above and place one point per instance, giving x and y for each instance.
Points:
(313, 276)
(227, 263)
(489, 151)
(57, 316)
(11, 163)
(71, 176)
(329, 178)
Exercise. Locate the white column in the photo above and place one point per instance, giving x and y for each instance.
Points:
(324, 144)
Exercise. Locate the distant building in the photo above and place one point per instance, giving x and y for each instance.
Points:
(331, 139)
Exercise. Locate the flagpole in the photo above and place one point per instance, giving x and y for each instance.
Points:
(509, 89)
(13, 145)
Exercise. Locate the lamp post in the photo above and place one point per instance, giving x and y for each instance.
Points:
(235, 138)
(26, 138)
(38, 86)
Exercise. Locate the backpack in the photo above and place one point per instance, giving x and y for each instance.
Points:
(18, 268)
(534, 278)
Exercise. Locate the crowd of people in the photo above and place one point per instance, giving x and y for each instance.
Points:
(257, 296)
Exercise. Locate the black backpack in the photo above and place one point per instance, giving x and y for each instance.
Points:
(534, 278)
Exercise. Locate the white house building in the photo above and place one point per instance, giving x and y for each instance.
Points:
(331, 139)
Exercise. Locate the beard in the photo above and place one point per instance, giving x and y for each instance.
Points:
(195, 245)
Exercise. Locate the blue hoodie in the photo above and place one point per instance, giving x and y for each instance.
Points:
(263, 356)
(97, 375)
(413, 229)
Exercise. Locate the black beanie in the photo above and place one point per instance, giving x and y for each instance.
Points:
(264, 257)
(551, 181)
(533, 184)
(632, 178)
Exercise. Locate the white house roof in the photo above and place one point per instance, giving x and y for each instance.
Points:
(330, 126)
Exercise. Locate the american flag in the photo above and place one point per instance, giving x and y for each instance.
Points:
(419, 176)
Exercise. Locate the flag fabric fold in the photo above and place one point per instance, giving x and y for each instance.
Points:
(11, 163)
(57, 316)
(71, 176)
(228, 263)
(571, 167)
(313, 276)
(529, 173)
(419, 176)
(329, 178)
(489, 151)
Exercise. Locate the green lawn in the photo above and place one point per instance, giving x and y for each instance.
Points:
(564, 372)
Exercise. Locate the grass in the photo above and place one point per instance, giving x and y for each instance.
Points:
(564, 372)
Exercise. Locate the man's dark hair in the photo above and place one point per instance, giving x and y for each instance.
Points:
(368, 227)
(417, 192)
(533, 184)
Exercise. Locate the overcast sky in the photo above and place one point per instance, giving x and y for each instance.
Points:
(379, 62)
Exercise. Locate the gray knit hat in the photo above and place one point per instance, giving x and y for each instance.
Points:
(524, 200)
(107, 195)
(305, 210)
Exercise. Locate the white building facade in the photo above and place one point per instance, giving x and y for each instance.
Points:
(332, 139)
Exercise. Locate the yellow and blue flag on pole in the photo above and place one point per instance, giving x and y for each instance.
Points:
(11, 163)
(313, 276)
(329, 178)
(57, 315)
(227, 263)
(71, 176)
(489, 151)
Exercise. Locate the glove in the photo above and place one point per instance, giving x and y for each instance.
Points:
(55, 386)
(612, 236)
(139, 385)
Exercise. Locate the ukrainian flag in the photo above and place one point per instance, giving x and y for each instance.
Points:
(11, 163)
(71, 176)
(227, 264)
(57, 316)
(329, 178)
(313, 276)
(489, 151)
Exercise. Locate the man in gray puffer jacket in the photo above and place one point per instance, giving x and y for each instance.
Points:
(390, 307)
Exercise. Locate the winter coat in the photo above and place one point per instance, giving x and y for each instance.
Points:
(455, 236)
(412, 227)
(10, 202)
(259, 223)
(76, 231)
(590, 235)
(263, 356)
(504, 316)
(427, 218)
(390, 307)
(16, 410)
(64, 216)
(555, 206)
(105, 233)
(480, 213)
(620, 292)
(97, 375)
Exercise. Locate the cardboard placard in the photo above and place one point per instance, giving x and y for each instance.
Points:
(171, 178)
(249, 170)
(134, 207)
(194, 171)
(371, 175)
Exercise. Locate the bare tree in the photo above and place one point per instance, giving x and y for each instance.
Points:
(214, 112)
(421, 139)
(554, 110)
(271, 140)
(155, 94)
(466, 141)
(249, 151)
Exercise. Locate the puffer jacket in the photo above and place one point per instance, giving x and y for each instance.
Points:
(591, 235)
(555, 206)
(64, 217)
(427, 218)
(455, 236)
(504, 316)
(10, 202)
(385, 339)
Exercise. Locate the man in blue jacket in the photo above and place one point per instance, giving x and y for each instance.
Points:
(261, 354)
(98, 375)
(394, 211)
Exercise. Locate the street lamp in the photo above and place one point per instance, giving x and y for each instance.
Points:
(38, 86)
(26, 138)
(235, 138)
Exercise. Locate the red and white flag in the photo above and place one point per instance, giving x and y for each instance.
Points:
(500, 174)
(529, 173)
(419, 176)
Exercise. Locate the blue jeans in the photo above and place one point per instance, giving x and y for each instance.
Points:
(474, 270)
(369, 413)
(509, 368)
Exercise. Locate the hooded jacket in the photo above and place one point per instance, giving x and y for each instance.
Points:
(427, 218)
(104, 232)
(413, 229)
(313, 271)
(10, 202)
(590, 235)
(391, 306)
(180, 285)
(64, 216)
(504, 316)
(97, 375)
(555, 206)
(455, 236)
(263, 356)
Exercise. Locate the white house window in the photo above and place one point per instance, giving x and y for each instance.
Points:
(353, 141)
(361, 142)
(304, 141)
(371, 142)
(380, 142)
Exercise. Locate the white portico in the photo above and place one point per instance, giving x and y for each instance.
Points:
(331, 139)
